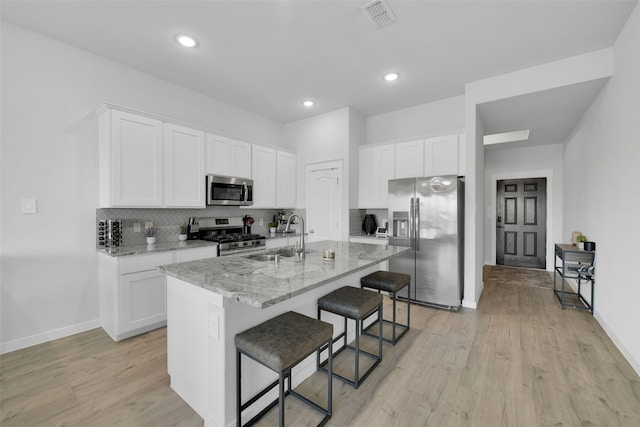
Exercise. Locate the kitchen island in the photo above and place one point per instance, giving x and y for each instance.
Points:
(209, 301)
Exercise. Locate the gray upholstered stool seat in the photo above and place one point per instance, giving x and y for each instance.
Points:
(391, 282)
(356, 304)
(280, 344)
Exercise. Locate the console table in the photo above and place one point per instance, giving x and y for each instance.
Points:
(572, 262)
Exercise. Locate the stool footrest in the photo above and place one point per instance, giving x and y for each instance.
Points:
(399, 335)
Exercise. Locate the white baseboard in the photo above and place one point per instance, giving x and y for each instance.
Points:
(635, 364)
(21, 343)
(470, 304)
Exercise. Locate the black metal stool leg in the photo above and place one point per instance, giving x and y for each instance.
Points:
(238, 389)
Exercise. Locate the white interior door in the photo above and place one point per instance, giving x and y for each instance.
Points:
(324, 202)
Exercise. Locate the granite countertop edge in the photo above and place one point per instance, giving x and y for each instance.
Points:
(130, 250)
(238, 272)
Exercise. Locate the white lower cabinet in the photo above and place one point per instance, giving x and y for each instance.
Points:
(144, 301)
(133, 294)
(277, 242)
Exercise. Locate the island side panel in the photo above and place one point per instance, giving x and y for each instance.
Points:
(201, 346)
(188, 343)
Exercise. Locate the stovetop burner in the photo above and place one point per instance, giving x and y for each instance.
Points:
(228, 233)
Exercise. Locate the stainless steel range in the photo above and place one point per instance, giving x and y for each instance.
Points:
(228, 232)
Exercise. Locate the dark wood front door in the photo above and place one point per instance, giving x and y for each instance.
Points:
(521, 223)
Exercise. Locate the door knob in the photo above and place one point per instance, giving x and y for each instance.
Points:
(310, 231)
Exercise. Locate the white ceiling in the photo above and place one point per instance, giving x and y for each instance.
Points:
(267, 56)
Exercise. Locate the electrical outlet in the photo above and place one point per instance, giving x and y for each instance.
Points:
(137, 227)
(29, 206)
(261, 221)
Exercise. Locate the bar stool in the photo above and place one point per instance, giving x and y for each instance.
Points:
(357, 304)
(391, 282)
(280, 344)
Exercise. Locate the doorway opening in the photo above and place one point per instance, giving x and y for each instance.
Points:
(521, 222)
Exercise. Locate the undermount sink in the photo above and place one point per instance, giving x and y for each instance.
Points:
(261, 257)
(271, 255)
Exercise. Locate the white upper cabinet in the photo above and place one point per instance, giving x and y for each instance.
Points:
(441, 155)
(130, 160)
(409, 159)
(183, 167)
(264, 162)
(228, 157)
(462, 155)
(375, 169)
(147, 163)
(285, 179)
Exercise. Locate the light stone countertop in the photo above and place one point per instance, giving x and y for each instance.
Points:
(261, 283)
(120, 251)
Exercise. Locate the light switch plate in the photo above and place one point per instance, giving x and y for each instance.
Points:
(29, 206)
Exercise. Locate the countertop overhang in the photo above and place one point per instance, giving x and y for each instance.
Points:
(264, 283)
(129, 250)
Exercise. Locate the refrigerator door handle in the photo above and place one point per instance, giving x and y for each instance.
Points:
(412, 228)
(417, 221)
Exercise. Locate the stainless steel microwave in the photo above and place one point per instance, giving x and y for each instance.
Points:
(224, 190)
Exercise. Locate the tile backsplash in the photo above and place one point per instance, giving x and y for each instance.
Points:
(167, 221)
(356, 218)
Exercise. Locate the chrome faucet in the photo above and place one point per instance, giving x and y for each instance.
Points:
(286, 229)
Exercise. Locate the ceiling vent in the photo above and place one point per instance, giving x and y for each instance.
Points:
(379, 13)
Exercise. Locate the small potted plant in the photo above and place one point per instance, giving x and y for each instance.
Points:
(581, 239)
(272, 227)
(183, 232)
(150, 232)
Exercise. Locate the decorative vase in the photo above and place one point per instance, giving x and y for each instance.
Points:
(580, 245)
(272, 230)
(182, 237)
(151, 240)
(369, 224)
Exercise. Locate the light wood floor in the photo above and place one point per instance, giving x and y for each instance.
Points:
(519, 360)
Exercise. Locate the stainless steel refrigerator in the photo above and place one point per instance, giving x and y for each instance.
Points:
(427, 215)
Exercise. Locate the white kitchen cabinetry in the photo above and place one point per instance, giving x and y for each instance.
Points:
(462, 155)
(375, 168)
(441, 155)
(183, 167)
(263, 167)
(285, 179)
(409, 159)
(133, 291)
(130, 160)
(132, 170)
(228, 157)
(278, 242)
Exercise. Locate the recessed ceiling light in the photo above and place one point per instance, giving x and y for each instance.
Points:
(186, 41)
(308, 103)
(390, 77)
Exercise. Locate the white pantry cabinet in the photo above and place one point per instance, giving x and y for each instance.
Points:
(285, 179)
(228, 157)
(183, 167)
(409, 161)
(130, 160)
(133, 295)
(145, 162)
(376, 167)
